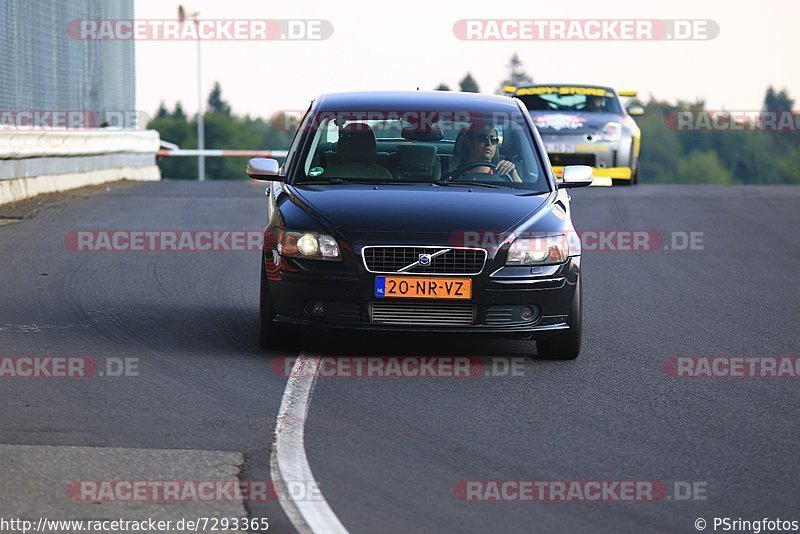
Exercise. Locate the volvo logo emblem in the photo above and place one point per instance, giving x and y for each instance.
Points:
(424, 259)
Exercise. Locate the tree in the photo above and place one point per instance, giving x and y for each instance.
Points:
(442, 87)
(222, 131)
(215, 102)
(777, 101)
(179, 113)
(789, 168)
(469, 85)
(703, 167)
(517, 76)
(780, 102)
(661, 147)
(162, 112)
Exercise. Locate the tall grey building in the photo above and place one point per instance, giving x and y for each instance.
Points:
(45, 68)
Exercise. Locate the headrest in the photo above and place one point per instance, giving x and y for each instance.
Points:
(429, 135)
(357, 144)
(416, 158)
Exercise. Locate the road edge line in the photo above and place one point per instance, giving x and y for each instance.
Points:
(288, 460)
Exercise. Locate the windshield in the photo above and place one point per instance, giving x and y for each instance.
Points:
(435, 147)
(569, 98)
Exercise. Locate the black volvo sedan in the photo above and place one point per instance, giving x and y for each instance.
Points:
(420, 212)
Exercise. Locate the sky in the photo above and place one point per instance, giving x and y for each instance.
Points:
(410, 44)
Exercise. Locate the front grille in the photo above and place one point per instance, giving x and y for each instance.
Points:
(388, 260)
(572, 159)
(499, 315)
(422, 313)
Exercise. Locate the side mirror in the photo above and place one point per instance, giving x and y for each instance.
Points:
(576, 176)
(263, 169)
(635, 110)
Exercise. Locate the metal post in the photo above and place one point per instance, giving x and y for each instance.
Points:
(201, 136)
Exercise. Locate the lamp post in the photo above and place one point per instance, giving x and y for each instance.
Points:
(201, 138)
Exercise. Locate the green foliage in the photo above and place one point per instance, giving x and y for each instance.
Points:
(667, 155)
(468, 84)
(215, 102)
(777, 101)
(162, 112)
(702, 166)
(222, 130)
(658, 157)
(788, 167)
(749, 157)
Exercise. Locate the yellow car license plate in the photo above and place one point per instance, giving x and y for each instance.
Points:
(423, 288)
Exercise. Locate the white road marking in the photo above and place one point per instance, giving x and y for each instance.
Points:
(288, 462)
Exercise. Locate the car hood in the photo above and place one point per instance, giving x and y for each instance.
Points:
(568, 122)
(423, 209)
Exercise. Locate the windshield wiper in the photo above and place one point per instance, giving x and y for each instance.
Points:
(532, 193)
(466, 184)
(345, 181)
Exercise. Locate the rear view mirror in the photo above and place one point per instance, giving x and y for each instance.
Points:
(577, 176)
(263, 169)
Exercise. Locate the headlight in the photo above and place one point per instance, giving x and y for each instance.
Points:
(545, 250)
(612, 132)
(309, 245)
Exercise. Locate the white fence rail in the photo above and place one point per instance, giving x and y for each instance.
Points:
(47, 161)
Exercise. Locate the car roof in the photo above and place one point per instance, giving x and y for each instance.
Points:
(410, 100)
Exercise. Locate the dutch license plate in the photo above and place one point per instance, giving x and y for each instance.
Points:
(423, 288)
(559, 148)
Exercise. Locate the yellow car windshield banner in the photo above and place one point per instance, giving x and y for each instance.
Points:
(563, 90)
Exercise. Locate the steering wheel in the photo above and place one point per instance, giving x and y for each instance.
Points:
(459, 172)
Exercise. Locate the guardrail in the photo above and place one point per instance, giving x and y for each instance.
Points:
(224, 153)
(70, 143)
(46, 161)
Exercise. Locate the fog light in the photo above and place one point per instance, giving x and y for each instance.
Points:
(527, 312)
(317, 308)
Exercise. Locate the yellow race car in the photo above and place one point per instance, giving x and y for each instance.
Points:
(586, 125)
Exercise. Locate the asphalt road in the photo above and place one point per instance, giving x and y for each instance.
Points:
(387, 453)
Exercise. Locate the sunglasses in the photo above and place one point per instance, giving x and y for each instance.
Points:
(483, 138)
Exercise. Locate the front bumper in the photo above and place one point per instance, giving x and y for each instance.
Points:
(346, 295)
(609, 160)
(602, 176)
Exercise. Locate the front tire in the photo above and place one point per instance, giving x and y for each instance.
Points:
(634, 163)
(566, 346)
(271, 335)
